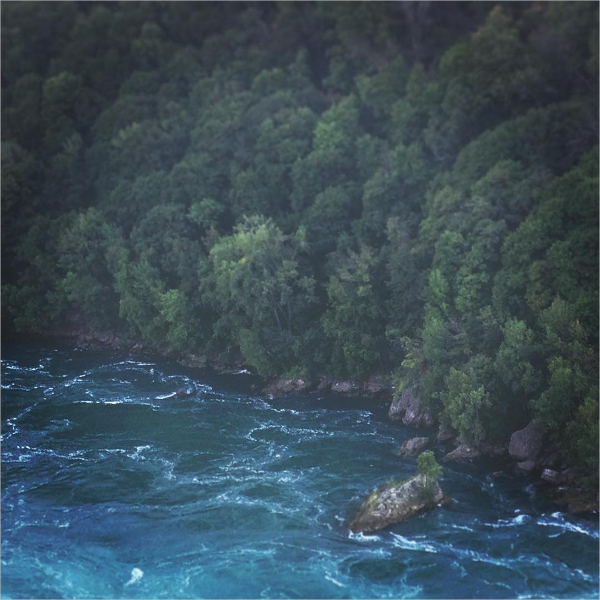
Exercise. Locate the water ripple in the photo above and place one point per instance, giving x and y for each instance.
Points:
(112, 488)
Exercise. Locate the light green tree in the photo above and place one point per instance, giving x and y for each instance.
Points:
(428, 469)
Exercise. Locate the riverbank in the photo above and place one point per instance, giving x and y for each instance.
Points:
(558, 480)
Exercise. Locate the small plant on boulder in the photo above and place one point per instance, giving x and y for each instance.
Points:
(429, 470)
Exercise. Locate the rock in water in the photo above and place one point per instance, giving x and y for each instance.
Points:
(396, 501)
(413, 446)
(184, 393)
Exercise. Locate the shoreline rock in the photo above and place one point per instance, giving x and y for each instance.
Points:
(282, 387)
(526, 444)
(374, 386)
(407, 408)
(413, 446)
(395, 502)
(462, 452)
(344, 387)
(488, 449)
(445, 434)
(552, 476)
(527, 466)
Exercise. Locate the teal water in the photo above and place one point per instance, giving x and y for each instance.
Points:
(109, 492)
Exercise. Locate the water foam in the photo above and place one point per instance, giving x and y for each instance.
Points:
(566, 526)
(136, 575)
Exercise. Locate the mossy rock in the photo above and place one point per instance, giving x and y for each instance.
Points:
(397, 501)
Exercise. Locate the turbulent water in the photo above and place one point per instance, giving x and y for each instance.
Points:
(109, 491)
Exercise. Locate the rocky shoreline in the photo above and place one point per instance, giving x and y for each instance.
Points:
(527, 453)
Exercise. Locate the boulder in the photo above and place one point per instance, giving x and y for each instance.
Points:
(398, 407)
(376, 386)
(281, 387)
(552, 476)
(445, 434)
(464, 452)
(582, 506)
(185, 392)
(324, 384)
(493, 449)
(577, 500)
(413, 446)
(395, 502)
(527, 466)
(525, 444)
(344, 387)
(193, 360)
(407, 408)
(569, 475)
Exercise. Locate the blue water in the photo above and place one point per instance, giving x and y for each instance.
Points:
(109, 492)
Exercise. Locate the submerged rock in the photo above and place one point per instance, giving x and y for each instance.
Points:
(407, 407)
(526, 443)
(413, 446)
(396, 501)
(464, 451)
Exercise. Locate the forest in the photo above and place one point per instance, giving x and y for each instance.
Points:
(407, 189)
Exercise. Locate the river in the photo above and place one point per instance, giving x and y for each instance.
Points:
(109, 491)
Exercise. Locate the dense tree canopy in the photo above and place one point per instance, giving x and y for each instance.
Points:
(352, 188)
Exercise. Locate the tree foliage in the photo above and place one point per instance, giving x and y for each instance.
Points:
(342, 187)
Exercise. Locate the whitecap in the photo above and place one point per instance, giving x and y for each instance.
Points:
(567, 526)
(585, 576)
(462, 527)
(520, 519)
(333, 580)
(136, 575)
(407, 544)
(138, 452)
(361, 537)
(134, 362)
(15, 367)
